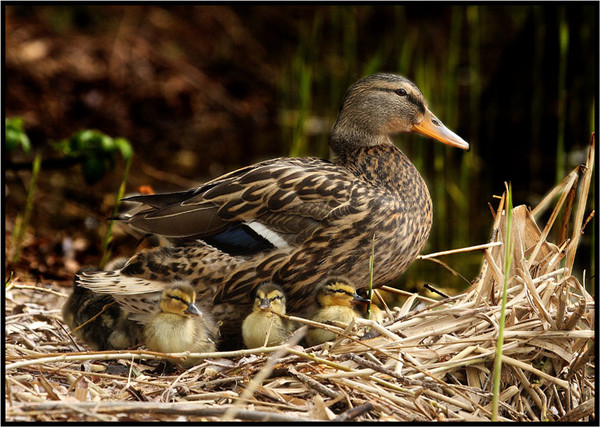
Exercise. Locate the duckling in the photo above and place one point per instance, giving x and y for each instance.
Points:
(264, 320)
(377, 314)
(335, 298)
(180, 325)
(110, 328)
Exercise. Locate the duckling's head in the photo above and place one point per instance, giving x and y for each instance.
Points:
(270, 296)
(383, 104)
(180, 299)
(338, 291)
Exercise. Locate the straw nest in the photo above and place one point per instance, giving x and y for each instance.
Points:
(430, 362)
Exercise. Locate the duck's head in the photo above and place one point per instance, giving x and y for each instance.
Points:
(384, 104)
(270, 296)
(338, 291)
(180, 299)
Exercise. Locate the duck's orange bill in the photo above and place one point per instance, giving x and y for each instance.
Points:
(433, 127)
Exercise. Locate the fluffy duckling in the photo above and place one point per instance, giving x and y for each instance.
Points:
(98, 320)
(265, 318)
(180, 326)
(377, 314)
(335, 299)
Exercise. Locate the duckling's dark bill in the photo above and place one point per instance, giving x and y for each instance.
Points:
(265, 304)
(433, 127)
(193, 310)
(359, 300)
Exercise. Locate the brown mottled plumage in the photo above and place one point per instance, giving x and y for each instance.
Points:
(110, 330)
(98, 320)
(293, 221)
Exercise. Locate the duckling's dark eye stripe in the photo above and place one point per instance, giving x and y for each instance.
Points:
(269, 300)
(178, 299)
(341, 291)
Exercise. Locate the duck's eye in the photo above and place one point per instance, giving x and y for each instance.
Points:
(400, 92)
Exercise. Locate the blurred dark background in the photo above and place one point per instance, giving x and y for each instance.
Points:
(202, 90)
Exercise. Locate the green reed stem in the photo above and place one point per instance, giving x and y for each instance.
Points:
(500, 341)
(106, 251)
(403, 38)
(21, 226)
(562, 95)
(350, 37)
(299, 138)
(454, 200)
(466, 162)
(537, 87)
(9, 279)
(371, 261)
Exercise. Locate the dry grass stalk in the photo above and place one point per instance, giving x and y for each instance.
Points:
(427, 364)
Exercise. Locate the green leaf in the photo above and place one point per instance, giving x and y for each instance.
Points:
(15, 136)
(124, 147)
(107, 144)
(93, 168)
(97, 151)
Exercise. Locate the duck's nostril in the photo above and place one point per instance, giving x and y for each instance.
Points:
(435, 122)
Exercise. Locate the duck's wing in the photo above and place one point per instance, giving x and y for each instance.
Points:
(275, 203)
(134, 294)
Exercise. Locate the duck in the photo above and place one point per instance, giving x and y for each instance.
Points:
(265, 318)
(292, 221)
(180, 325)
(335, 301)
(97, 320)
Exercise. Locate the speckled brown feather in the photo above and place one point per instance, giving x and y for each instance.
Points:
(97, 320)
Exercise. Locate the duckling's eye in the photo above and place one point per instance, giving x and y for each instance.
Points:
(400, 92)
(178, 299)
(276, 297)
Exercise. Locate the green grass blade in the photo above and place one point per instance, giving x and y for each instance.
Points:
(500, 341)
(371, 261)
(21, 227)
(106, 251)
(562, 96)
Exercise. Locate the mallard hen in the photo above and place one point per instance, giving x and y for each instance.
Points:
(293, 221)
(180, 325)
(265, 319)
(335, 300)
